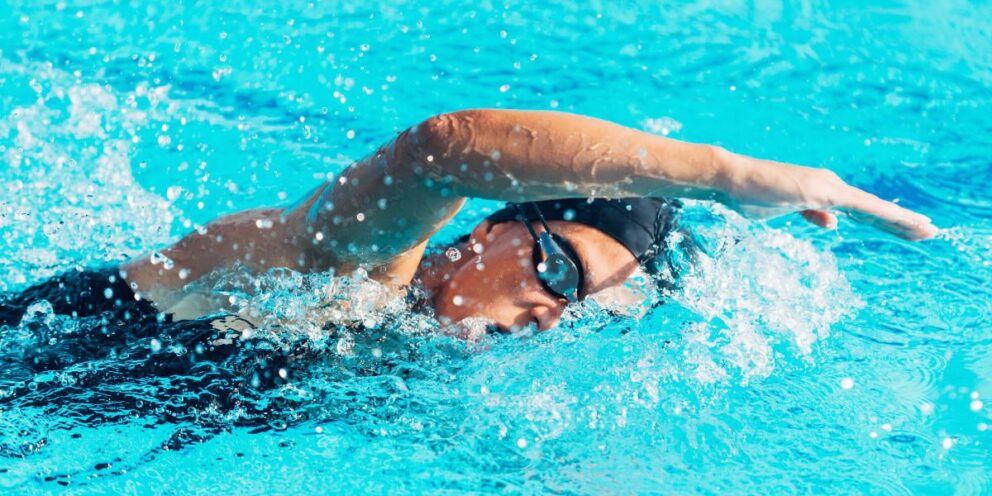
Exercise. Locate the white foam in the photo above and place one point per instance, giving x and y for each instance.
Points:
(762, 291)
(68, 155)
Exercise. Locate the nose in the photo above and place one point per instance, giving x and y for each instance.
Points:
(546, 317)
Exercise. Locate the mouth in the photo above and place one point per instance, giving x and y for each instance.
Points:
(471, 328)
(496, 329)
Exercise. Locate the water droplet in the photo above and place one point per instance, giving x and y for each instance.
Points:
(158, 258)
(847, 383)
(458, 300)
(453, 254)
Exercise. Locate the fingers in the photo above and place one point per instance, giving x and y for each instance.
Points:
(820, 218)
(869, 209)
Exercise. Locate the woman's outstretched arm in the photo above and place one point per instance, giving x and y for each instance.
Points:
(399, 196)
(380, 211)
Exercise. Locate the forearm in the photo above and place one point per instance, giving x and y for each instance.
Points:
(393, 200)
(523, 156)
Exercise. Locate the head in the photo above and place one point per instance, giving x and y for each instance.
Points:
(495, 277)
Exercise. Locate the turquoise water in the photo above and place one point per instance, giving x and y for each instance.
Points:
(793, 361)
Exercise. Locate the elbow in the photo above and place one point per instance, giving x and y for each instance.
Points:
(428, 140)
(441, 136)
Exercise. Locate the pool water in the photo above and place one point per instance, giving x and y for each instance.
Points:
(790, 361)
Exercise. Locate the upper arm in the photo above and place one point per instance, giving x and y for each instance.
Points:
(383, 208)
(260, 239)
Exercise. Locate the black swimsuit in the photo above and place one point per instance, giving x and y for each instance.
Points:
(90, 322)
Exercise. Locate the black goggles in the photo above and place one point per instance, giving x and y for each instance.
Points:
(557, 264)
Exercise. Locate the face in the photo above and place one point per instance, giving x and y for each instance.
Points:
(496, 280)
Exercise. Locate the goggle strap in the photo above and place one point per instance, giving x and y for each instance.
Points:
(541, 217)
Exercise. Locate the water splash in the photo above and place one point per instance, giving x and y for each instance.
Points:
(760, 292)
(67, 162)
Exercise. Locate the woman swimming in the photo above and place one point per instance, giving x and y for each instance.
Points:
(380, 212)
(591, 203)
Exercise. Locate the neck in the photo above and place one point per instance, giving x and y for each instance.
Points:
(436, 269)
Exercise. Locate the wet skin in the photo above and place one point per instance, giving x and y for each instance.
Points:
(380, 212)
(495, 278)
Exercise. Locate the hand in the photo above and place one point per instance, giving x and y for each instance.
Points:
(763, 188)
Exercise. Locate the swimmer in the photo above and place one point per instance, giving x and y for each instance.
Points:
(590, 203)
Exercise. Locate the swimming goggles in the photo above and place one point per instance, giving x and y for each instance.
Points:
(556, 262)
